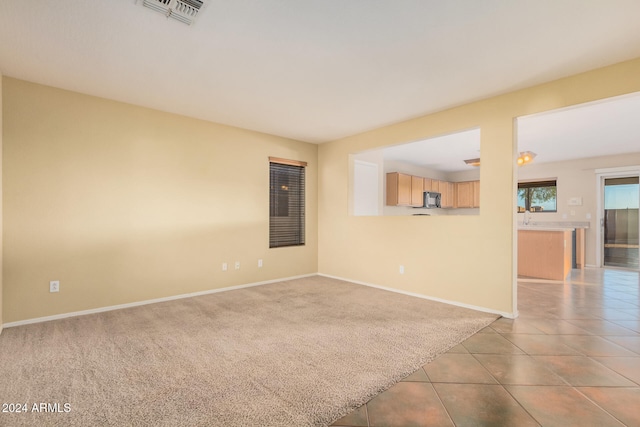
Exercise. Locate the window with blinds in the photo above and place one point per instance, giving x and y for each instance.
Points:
(286, 202)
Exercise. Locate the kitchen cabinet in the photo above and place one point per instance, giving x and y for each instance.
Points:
(476, 194)
(467, 194)
(447, 190)
(544, 253)
(404, 189)
(464, 194)
(408, 190)
(417, 190)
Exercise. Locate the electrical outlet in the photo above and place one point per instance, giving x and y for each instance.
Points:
(259, 263)
(402, 269)
(54, 286)
(224, 266)
(237, 265)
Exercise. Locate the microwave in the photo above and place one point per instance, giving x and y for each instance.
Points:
(432, 200)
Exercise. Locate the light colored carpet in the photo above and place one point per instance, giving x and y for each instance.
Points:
(296, 353)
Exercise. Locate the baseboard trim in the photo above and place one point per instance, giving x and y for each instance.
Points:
(413, 294)
(146, 302)
(248, 285)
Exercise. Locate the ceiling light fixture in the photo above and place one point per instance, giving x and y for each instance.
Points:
(525, 157)
(473, 162)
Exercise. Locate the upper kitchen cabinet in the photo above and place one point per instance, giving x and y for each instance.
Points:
(476, 194)
(417, 190)
(404, 190)
(467, 194)
(427, 184)
(447, 191)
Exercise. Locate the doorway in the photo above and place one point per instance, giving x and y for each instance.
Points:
(620, 222)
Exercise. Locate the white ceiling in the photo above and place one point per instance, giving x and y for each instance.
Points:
(308, 69)
(607, 127)
(444, 153)
(602, 128)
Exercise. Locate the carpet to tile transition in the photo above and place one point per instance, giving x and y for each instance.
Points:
(295, 353)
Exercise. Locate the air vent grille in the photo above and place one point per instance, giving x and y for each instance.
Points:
(181, 10)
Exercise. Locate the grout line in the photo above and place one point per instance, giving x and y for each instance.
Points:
(635, 384)
(620, 345)
(446, 410)
(425, 371)
(598, 406)
(520, 404)
(366, 412)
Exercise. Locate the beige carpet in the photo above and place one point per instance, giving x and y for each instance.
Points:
(296, 353)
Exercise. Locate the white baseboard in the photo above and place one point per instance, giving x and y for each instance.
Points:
(145, 302)
(413, 294)
(248, 285)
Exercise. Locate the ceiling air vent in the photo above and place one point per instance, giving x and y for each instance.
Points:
(181, 10)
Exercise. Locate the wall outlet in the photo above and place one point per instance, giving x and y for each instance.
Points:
(259, 263)
(237, 265)
(224, 266)
(402, 269)
(588, 216)
(54, 286)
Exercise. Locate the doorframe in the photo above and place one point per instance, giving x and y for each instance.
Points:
(601, 175)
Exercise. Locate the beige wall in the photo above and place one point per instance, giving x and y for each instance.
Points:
(1, 172)
(576, 178)
(124, 204)
(466, 259)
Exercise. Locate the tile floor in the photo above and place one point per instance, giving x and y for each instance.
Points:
(572, 358)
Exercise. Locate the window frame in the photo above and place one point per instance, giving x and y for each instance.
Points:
(528, 185)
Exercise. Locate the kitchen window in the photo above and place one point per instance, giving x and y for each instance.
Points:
(538, 196)
(286, 202)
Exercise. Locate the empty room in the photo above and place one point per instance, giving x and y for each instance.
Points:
(305, 213)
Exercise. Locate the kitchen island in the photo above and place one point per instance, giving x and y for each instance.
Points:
(548, 251)
(544, 253)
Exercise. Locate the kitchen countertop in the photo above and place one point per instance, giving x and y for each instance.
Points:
(553, 225)
(543, 228)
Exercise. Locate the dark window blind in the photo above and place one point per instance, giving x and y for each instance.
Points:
(286, 205)
(535, 184)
